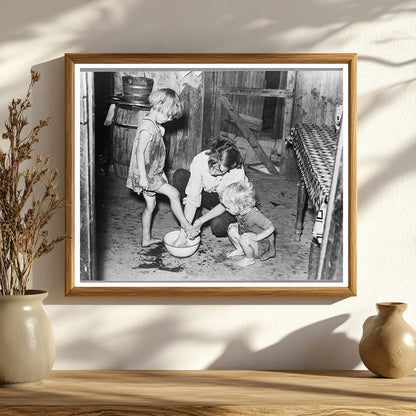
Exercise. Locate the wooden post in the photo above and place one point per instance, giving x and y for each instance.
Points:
(300, 210)
(332, 267)
(87, 168)
(217, 105)
(289, 164)
(208, 108)
(331, 259)
(314, 254)
(248, 134)
(278, 113)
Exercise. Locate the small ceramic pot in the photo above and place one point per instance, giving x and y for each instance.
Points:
(388, 345)
(27, 346)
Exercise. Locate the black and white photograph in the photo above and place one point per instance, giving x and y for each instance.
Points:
(228, 175)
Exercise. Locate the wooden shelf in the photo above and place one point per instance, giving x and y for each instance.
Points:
(254, 393)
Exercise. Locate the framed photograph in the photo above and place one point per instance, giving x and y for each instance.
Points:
(211, 174)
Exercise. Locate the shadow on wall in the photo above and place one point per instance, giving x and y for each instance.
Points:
(249, 23)
(132, 18)
(152, 345)
(49, 271)
(314, 347)
(141, 347)
(392, 170)
(53, 143)
(79, 26)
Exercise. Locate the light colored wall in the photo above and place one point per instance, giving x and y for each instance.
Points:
(193, 333)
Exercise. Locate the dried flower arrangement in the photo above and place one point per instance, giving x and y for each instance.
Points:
(28, 200)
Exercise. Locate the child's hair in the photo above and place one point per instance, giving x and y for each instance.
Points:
(239, 194)
(224, 151)
(166, 101)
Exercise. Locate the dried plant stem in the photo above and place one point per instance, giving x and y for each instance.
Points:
(24, 216)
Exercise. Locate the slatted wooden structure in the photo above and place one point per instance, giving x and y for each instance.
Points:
(237, 95)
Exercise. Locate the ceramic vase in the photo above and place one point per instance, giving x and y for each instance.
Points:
(27, 346)
(388, 345)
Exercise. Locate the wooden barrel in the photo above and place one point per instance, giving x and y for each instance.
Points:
(123, 130)
(137, 89)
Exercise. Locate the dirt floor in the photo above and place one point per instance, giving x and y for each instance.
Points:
(120, 256)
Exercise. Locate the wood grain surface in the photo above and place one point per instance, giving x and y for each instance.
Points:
(203, 393)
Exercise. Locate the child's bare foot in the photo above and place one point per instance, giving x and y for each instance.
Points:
(191, 232)
(147, 243)
(245, 262)
(235, 253)
(181, 240)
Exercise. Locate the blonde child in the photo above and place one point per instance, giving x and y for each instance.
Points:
(253, 234)
(146, 174)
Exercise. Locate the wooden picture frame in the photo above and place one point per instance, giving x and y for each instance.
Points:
(302, 93)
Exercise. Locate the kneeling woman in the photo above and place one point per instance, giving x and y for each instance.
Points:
(210, 172)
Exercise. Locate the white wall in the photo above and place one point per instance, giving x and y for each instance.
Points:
(198, 333)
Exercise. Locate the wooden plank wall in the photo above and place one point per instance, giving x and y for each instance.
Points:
(250, 106)
(209, 106)
(184, 136)
(316, 95)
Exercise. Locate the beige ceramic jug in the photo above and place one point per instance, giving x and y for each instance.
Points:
(27, 346)
(388, 345)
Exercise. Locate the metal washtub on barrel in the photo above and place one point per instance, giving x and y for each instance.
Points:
(137, 89)
(123, 130)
